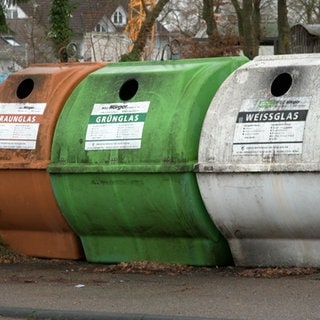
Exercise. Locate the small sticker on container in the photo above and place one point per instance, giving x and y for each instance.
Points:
(116, 125)
(274, 126)
(19, 124)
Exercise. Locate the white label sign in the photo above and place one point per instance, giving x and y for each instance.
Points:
(116, 125)
(271, 126)
(19, 124)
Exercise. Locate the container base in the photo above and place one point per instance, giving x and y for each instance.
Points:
(199, 252)
(42, 244)
(276, 252)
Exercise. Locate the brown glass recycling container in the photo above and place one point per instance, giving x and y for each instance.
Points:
(31, 222)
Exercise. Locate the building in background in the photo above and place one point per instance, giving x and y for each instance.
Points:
(305, 38)
(98, 33)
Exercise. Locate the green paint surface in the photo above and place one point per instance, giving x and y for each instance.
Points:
(140, 203)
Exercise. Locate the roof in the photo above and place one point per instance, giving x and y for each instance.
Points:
(9, 51)
(88, 13)
(313, 29)
(85, 16)
(40, 44)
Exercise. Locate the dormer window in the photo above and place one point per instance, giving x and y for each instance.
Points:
(117, 17)
(100, 28)
(12, 13)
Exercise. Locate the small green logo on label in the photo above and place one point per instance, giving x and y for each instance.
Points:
(266, 104)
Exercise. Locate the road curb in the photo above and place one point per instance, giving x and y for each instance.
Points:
(35, 314)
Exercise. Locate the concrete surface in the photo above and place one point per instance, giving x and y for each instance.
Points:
(51, 289)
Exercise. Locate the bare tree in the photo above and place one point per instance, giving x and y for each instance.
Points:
(37, 48)
(204, 26)
(304, 11)
(184, 17)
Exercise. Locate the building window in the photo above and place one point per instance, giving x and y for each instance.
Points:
(100, 28)
(117, 18)
(12, 13)
(10, 40)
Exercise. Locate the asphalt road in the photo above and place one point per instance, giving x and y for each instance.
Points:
(51, 289)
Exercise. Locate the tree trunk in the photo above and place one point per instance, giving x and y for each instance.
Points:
(257, 23)
(249, 26)
(208, 16)
(284, 44)
(145, 31)
(238, 9)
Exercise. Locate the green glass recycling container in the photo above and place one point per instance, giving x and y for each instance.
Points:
(123, 156)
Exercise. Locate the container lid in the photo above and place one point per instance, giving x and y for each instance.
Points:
(265, 118)
(30, 103)
(138, 116)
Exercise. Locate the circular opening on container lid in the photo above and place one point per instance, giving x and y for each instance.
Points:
(281, 84)
(25, 88)
(128, 90)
